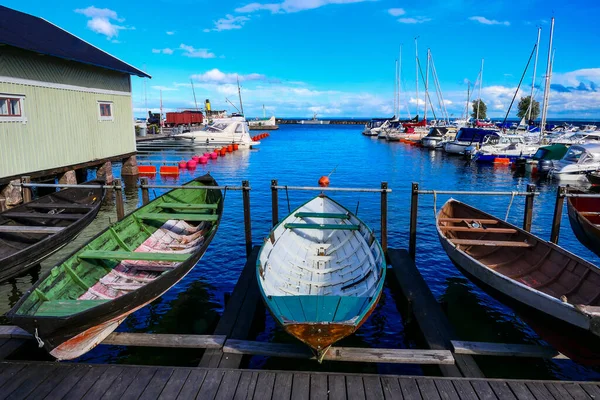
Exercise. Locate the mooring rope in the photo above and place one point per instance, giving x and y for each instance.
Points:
(512, 197)
(40, 343)
(288, 199)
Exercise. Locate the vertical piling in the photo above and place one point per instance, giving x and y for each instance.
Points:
(414, 205)
(274, 202)
(247, 222)
(119, 199)
(26, 190)
(528, 207)
(384, 210)
(558, 209)
(145, 194)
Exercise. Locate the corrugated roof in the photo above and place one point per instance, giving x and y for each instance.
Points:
(36, 34)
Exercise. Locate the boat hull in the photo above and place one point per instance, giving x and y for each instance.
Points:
(585, 230)
(455, 148)
(19, 262)
(72, 335)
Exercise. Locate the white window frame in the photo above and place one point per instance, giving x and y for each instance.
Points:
(102, 118)
(22, 118)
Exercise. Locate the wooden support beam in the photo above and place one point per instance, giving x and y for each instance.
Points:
(434, 325)
(505, 350)
(350, 354)
(137, 339)
(30, 229)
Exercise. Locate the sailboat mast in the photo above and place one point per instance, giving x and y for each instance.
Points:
(417, 72)
(395, 88)
(399, 77)
(240, 94)
(480, 85)
(547, 86)
(427, 84)
(194, 92)
(468, 100)
(537, 51)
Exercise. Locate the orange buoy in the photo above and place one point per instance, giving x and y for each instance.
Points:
(499, 160)
(230, 148)
(236, 146)
(223, 152)
(324, 181)
(169, 170)
(147, 169)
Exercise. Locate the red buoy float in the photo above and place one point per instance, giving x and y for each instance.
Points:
(196, 158)
(213, 155)
(230, 148)
(203, 160)
(324, 181)
(223, 152)
(191, 164)
(182, 164)
(236, 146)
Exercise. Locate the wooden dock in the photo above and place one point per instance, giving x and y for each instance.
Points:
(19, 380)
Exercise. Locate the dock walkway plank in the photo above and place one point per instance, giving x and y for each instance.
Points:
(22, 379)
(432, 321)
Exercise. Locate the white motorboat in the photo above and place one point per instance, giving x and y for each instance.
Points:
(577, 162)
(222, 132)
(373, 124)
(263, 124)
(467, 137)
(578, 137)
(505, 146)
(437, 136)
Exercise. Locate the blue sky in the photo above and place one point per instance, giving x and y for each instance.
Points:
(336, 57)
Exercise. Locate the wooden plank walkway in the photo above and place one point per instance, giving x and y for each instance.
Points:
(429, 315)
(31, 380)
(237, 318)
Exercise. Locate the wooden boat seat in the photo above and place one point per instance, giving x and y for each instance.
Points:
(30, 229)
(182, 206)
(73, 217)
(482, 229)
(493, 243)
(321, 215)
(71, 206)
(59, 308)
(186, 217)
(322, 226)
(467, 220)
(132, 255)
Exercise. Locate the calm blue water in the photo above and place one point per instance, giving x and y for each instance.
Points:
(298, 155)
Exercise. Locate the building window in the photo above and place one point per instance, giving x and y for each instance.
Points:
(11, 108)
(105, 111)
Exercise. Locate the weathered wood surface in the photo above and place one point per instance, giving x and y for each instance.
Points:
(504, 349)
(37, 380)
(399, 356)
(238, 316)
(433, 323)
(29, 229)
(137, 339)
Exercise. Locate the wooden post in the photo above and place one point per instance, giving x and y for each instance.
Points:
(414, 205)
(274, 202)
(145, 195)
(26, 190)
(384, 210)
(558, 209)
(247, 221)
(528, 208)
(119, 199)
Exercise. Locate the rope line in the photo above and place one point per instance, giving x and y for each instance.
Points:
(512, 197)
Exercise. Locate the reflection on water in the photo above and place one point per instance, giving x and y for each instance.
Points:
(298, 155)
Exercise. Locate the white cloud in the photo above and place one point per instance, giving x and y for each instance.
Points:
(215, 76)
(170, 33)
(485, 21)
(163, 51)
(164, 88)
(396, 12)
(414, 20)
(575, 78)
(192, 52)
(100, 21)
(291, 6)
(228, 23)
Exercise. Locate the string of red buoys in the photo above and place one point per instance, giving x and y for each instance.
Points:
(196, 159)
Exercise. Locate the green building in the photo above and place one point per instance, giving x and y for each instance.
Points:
(64, 103)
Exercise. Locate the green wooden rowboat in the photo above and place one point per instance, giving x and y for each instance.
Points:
(80, 301)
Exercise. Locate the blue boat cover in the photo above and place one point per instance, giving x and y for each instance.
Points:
(474, 135)
(35, 34)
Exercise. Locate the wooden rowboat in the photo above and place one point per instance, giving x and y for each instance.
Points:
(584, 216)
(79, 302)
(514, 264)
(33, 231)
(321, 272)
